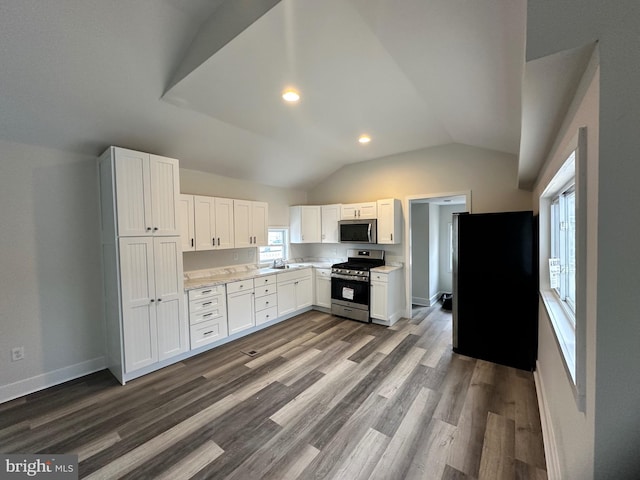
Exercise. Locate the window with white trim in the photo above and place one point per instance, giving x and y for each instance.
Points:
(563, 260)
(563, 244)
(277, 246)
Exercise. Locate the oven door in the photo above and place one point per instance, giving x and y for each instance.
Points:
(349, 292)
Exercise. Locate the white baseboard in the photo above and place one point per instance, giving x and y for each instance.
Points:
(424, 302)
(50, 379)
(550, 449)
(434, 299)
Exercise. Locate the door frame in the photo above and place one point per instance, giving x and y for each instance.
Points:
(408, 201)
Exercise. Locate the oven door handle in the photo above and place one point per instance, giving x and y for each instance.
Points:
(349, 277)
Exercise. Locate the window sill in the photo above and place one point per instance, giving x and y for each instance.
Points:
(563, 325)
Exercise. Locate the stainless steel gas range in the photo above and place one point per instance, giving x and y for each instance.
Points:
(350, 284)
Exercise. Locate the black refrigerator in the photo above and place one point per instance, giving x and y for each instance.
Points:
(495, 300)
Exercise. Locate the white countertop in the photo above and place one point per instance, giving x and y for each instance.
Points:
(221, 276)
(386, 268)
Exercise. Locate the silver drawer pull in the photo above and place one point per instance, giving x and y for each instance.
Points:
(208, 333)
(207, 303)
(208, 314)
(206, 291)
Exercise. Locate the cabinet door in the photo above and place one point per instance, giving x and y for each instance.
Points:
(172, 325)
(243, 234)
(260, 223)
(304, 293)
(379, 300)
(311, 224)
(224, 223)
(330, 214)
(286, 297)
(389, 225)
(368, 210)
(186, 219)
(240, 311)
(133, 193)
(137, 288)
(349, 212)
(323, 289)
(204, 208)
(165, 188)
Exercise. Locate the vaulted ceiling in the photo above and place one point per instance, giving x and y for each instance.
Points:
(200, 80)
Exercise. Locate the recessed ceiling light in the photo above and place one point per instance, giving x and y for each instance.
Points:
(291, 95)
(364, 138)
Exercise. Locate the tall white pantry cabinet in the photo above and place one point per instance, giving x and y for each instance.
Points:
(142, 261)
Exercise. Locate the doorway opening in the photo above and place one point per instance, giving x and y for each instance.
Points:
(429, 251)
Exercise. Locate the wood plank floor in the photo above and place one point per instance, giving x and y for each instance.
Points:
(325, 398)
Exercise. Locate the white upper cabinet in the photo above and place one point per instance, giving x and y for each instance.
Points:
(186, 221)
(213, 223)
(251, 220)
(147, 189)
(330, 214)
(359, 210)
(389, 221)
(305, 224)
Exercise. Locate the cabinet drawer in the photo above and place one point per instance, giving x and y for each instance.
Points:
(206, 292)
(264, 281)
(240, 286)
(380, 277)
(200, 305)
(323, 272)
(266, 315)
(266, 302)
(208, 332)
(263, 290)
(206, 315)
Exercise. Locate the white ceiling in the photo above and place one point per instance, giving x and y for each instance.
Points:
(200, 80)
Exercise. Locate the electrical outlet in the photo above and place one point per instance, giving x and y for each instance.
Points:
(17, 353)
(235, 256)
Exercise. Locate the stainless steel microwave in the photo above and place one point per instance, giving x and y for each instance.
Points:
(358, 231)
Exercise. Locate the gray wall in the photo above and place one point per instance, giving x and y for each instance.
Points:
(420, 248)
(611, 423)
(50, 280)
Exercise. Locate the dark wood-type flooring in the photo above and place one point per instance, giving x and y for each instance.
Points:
(324, 397)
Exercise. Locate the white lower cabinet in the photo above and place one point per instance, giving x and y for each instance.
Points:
(240, 306)
(295, 291)
(207, 315)
(323, 287)
(387, 293)
(266, 299)
(153, 324)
